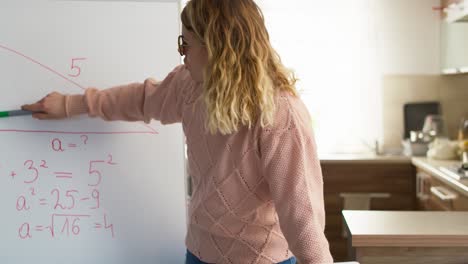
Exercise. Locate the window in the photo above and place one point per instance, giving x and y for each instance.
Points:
(332, 47)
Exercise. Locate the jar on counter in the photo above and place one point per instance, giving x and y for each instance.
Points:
(463, 149)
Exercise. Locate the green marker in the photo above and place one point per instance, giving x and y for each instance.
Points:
(15, 113)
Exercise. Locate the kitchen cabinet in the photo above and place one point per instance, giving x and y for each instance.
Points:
(435, 195)
(453, 41)
(389, 186)
(436, 189)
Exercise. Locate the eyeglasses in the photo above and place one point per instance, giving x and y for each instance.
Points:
(182, 46)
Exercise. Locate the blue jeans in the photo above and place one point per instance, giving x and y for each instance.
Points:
(192, 259)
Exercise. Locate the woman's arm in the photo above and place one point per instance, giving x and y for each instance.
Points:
(133, 102)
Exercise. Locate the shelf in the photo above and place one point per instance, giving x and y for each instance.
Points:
(457, 12)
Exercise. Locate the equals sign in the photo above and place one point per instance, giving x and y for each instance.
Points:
(97, 225)
(63, 175)
(42, 201)
(39, 228)
(72, 145)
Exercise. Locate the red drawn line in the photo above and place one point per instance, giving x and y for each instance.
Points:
(152, 130)
(64, 177)
(84, 199)
(42, 65)
(61, 172)
(73, 215)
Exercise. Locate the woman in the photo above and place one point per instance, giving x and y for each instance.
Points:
(257, 183)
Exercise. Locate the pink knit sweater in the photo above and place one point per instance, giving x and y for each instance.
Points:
(257, 193)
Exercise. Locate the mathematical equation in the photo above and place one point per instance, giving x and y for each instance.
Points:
(35, 168)
(63, 224)
(71, 198)
(59, 145)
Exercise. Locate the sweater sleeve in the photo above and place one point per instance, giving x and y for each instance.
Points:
(162, 101)
(294, 176)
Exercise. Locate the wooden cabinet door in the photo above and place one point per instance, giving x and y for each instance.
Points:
(435, 195)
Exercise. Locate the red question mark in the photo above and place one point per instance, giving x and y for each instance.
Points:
(85, 138)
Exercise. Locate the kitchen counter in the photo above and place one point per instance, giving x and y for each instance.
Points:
(389, 237)
(433, 167)
(404, 228)
(363, 158)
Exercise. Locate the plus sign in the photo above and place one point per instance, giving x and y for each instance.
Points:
(13, 174)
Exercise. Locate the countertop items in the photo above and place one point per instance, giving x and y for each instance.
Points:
(414, 115)
(407, 236)
(442, 149)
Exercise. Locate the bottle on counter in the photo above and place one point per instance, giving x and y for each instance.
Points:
(463, 129)
(464, 165)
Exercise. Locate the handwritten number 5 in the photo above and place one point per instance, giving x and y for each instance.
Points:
(95, 172)
(70, 195)
(75, 67)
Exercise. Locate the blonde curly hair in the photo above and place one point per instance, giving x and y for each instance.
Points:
(244, 73)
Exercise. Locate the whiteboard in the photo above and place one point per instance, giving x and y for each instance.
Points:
(84, 190)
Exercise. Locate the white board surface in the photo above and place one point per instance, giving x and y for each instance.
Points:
(85, 190)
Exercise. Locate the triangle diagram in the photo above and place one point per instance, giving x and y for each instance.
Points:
(26, 80)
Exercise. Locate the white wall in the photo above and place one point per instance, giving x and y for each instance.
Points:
(408, 36)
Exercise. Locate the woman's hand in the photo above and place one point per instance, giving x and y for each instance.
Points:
(50, 107)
